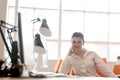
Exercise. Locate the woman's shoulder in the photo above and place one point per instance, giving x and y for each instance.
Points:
(89, 51)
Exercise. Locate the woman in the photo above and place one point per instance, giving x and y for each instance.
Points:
(83, 62)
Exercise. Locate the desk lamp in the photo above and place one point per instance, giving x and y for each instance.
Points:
(44, 30)
(15, 69)
(38, 46)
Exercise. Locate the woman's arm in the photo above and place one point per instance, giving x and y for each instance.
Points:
(66, 66)
(103, 67)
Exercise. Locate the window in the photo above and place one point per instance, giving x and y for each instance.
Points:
(97, 19)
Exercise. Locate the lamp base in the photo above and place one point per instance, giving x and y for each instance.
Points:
(36, 75)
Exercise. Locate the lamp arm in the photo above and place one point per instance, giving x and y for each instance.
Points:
(3, 22)
(36, 20)
(12, 53)
(3, 37)
(10, 37)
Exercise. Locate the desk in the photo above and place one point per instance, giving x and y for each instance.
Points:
(62, 78)
(55, 76)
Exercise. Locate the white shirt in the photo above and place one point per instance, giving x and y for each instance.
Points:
(86, 65)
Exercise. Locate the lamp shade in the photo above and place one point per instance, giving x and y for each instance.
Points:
(44, 29)
(38, 48)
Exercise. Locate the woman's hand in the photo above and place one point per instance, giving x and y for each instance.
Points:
(74, 51)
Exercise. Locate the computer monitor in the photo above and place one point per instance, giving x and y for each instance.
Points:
(20, 39)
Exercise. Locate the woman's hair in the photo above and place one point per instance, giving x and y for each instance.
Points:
(78, 34)
(118, 57)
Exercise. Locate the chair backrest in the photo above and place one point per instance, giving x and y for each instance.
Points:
(116, 69)
(98, 71)
(72, 72)
(58, 65)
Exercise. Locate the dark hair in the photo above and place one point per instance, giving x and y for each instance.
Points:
(118, 57)
(78, 34)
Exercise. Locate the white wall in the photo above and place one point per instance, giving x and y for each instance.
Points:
(3, 10)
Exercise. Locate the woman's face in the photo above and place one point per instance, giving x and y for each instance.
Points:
(77, 42)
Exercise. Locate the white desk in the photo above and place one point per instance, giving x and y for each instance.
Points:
(56, 76)
(62, 78)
